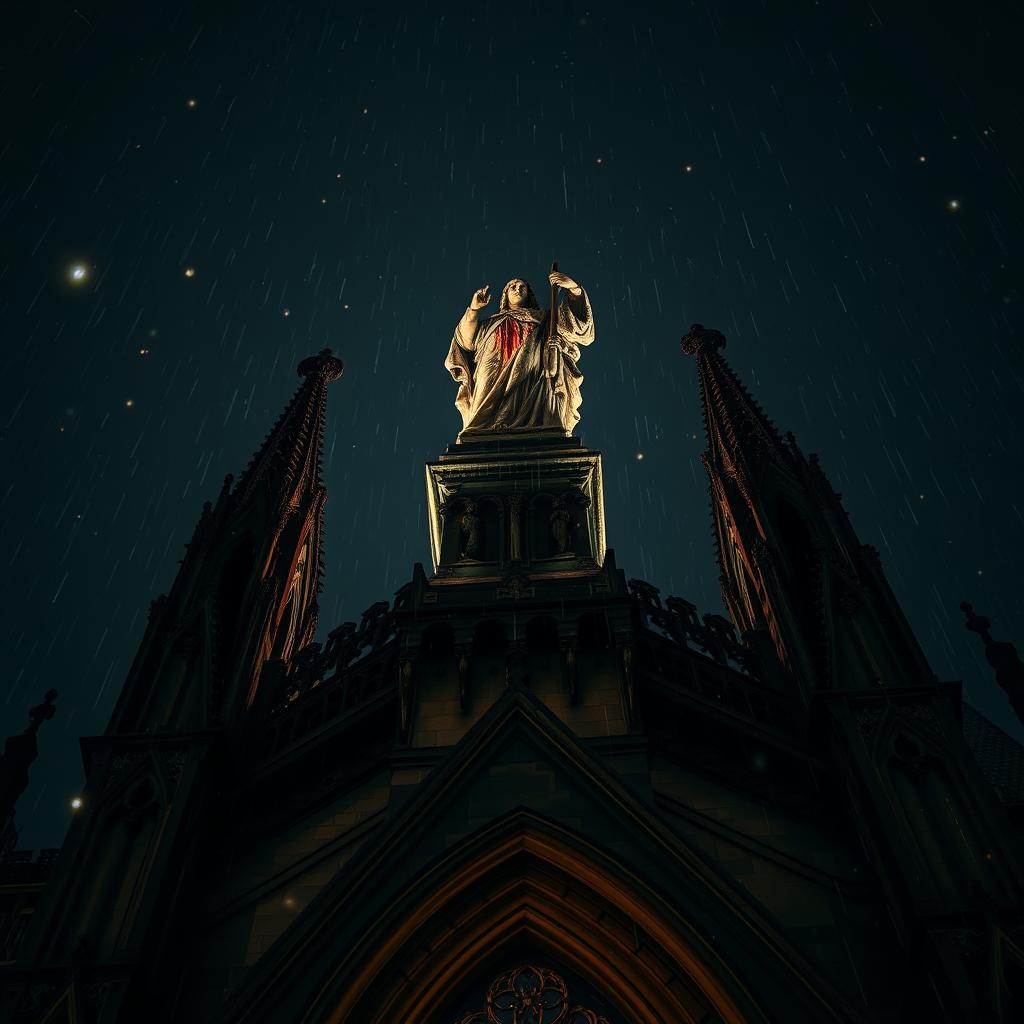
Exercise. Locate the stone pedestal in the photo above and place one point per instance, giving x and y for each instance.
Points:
(527, 499)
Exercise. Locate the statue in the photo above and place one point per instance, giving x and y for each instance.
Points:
(512, 370)
(561, 526)
(469, 521)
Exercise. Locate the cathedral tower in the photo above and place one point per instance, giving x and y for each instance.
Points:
(791, 563)
(245, 595)
(527, 780)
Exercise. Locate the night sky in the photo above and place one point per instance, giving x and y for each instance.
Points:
(837, 191)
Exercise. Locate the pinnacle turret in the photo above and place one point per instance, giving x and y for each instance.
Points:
(247, 588)
(293, 445)
(791, 562)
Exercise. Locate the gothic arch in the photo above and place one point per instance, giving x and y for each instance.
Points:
(128, 809)
(941, 822)
(530, 880)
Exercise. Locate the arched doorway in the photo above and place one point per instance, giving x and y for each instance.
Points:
(532, 898)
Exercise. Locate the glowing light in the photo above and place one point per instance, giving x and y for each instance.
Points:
(76, 803)
(78, 272)
(323, 202)
(129, 402)
(190, 271)
(688, 168)
(345, 306)
(191, 103)
(639, 456)
(289, 902)
(286, 312)
(143, 351)
(954, 204)
(600, 160)
(922, 159)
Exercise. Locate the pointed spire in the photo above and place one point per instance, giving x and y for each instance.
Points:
(739, 432)
(247, 588)
(292, 449)
(740, 438)
(1002, 656)
(19, 753)
(791, 562)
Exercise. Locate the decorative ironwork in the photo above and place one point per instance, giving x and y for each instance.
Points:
(531, 995)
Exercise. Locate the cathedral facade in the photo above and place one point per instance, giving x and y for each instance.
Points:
(528, 789)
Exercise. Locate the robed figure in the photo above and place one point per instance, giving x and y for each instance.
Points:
(512, 370)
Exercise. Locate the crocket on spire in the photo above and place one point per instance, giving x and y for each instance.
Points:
(247, 588)
(791, 562)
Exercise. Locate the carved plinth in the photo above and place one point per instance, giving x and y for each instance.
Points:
(530, 499)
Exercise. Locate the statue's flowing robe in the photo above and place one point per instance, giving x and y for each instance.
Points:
(510, 375)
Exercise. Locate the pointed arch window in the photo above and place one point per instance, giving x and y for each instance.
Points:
(290, 619)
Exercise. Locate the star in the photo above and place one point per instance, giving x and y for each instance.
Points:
(191, 103)
(954, 204)
(78, 272)
(190, 271)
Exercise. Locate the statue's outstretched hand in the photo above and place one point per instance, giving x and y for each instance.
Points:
(480, 297)
(564, 281)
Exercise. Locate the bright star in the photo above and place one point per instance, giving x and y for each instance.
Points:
(78, 273)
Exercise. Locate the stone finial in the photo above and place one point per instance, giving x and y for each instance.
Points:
(1002, 656)
(324, 364)
(700, 338)
(42, 712)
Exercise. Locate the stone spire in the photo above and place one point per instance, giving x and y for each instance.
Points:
(791, 562)
(288, 461)
(247, 588)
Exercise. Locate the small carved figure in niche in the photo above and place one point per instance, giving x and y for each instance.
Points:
(561, 526)
(469, 522)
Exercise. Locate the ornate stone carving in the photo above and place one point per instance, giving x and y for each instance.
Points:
(122, 766)
(515, 587)
(470, 529)
(869, 721)
(531, 995)
(561, 526)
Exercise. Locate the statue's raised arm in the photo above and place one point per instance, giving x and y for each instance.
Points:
(512, 372)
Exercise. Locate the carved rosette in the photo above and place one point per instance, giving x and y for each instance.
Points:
(531, 995)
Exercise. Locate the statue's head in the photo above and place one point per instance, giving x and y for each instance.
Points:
(517, 294)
